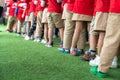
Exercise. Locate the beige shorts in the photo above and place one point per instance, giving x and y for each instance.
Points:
(81, 17)
(64, 11)
(92, 27)
(54, 20)
(26, 18)
(100, 21)
(44, 17)
(31, 17)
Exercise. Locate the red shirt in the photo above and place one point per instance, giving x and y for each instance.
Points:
(53, 6)
(27, 10)
(95, 4)
(70, 5)
(13, 6)
(114, 6)
(39, 8)
(32, 7)
(85, 7)
(46, 3)
(64, 2)
(21, 8)
(103, 5)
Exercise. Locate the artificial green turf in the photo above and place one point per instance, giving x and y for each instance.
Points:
(28, 60)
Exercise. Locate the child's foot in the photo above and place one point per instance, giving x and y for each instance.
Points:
(49, 44)
(37, 39)
(88, 55)
(94, 70)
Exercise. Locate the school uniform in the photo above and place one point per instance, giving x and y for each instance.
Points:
(111, 44)
(54, 14)
(69, 25)
(22, 5)
(102, 10)
(83, 10)
(39, 19)
(12, 18)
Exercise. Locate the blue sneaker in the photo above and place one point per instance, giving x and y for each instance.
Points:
(67, 51)
(80, 52)
(62, 50)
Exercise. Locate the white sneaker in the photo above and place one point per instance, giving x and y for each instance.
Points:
(27, 38)
(95, 62)
(114, 63)
(43, 41)
(37, 39)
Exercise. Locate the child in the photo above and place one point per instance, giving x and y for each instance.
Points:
(45, 23)
(83, 11)
(40, 8)
(93, 39)
(111, 44)
(100, 27)
(54, 19)
(22, 5)
(12, 18)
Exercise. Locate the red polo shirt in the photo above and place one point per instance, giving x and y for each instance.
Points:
(39, 8)
(103, 5)
(114, 6)
(13, 6)
(53, 6)
(21, 8)
(70, 5)
(95, 4)
(32, 7)
(85, 7)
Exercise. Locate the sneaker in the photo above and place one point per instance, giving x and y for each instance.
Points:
(43, 41)
(24, 35)
(114, 63)
(64, 51)
(8, 30)
(95, 62)
(61, 50)
(49, 44)
(60, 47)
(73, 53)
(18, 34)
(87, 56)
(27, 38)
(79, 52)
(94, 70)
(37, 39)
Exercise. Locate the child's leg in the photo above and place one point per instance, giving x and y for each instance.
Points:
(76, 34)
(50, 34)
(9, 23)
(46, 32)
(82, 40)
(111, 42)
(100, 42)
(31, 18)
(19, 27)
(38, 32)
(68, 31)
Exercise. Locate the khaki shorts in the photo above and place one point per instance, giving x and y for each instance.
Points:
(54, 20)
(64, 11)
(44, 17)
(81, 17)
(26, 18)
(92, 27)
(100, 21)
(31, 17)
